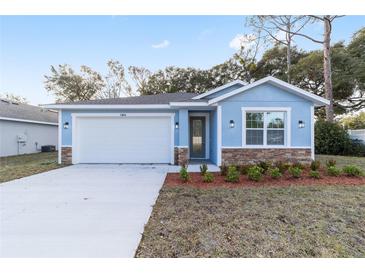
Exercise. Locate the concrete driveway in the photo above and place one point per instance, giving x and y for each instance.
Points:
(78, 211)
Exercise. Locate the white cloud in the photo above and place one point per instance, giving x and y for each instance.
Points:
(242, 40)
(163, 44)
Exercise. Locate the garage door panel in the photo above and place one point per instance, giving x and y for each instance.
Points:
(124, 139)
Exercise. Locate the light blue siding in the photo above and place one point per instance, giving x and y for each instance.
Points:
(183, 127)
(213, 136)
(266, 95)
(223, 91)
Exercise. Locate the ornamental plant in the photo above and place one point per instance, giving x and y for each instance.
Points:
(203, 169)
(244, 169)
(315, 165)
(330, 162)
(224, 170)
(352, 170)
(275, 173)
(255, 173)
(264, 165)
(208, 177)
(282, 166)
(184, 175)
(314, 174)
(333, 171)
(295, 171)
(233, 175)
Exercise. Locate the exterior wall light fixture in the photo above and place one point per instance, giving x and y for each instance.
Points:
(231, 124)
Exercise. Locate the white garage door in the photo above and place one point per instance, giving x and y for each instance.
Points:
(123, 139)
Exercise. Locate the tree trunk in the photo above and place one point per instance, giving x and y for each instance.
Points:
(288, 53)
(327, 67)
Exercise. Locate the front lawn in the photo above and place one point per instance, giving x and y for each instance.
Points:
(342, 161)
(15, 167)
(292, 221)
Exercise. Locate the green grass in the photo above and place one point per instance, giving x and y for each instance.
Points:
(15, 167)
(300, 221)
(342, 161)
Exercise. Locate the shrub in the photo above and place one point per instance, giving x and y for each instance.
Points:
(331, 138)
(298, 165)
(233, 175)
(330, 162)
(352, 170)
(244, 169)
(282, 166)
(255, 173)
(295, 171)
(315, 165)
(355, 148)
(314, 174)
(203, 169)
(333, 171)
(264, 165)
(275, 173)
(224, 170)
(208, 177)
(184, 175)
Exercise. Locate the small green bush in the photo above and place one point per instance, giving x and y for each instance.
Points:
(282, 166)
(244, 169)
(333, 171)
(208, 177)
(315, 165)
(233, 175)
(330, 162)
(184, 175)
(275, 173)
(314, 174)
(265, 165)
(295, 171)
(298, 165)
(255, 173)
(203, 169)
(352, 170)
(224, 170)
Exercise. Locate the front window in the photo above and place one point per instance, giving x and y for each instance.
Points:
(265, 128)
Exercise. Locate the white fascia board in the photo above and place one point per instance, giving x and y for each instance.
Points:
(318, 100)
(140, 106)
(28, 121)
(210, 92)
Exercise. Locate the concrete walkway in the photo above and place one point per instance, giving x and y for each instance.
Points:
(78, 211)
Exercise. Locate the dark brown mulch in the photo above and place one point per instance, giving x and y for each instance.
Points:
(196, 180)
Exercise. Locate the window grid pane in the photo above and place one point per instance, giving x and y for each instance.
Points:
(270, 124)
(254, 137)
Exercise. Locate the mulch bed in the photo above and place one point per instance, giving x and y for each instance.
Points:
(173, 179)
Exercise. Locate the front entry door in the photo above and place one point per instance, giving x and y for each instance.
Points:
(197, 137)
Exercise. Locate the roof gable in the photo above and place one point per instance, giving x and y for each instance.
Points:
(221, 90)
(317, 100)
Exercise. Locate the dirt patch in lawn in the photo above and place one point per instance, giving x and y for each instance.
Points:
(196, 180)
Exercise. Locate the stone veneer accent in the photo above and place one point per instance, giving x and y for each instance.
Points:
(241, 156)
(66, 155)
(181, 155)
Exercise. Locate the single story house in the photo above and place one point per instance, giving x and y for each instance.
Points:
(233, 124)
(25, 128)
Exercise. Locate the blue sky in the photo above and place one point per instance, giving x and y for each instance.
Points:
(29, 45)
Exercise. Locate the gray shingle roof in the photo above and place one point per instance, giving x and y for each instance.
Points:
(163, 98)
(26, 112)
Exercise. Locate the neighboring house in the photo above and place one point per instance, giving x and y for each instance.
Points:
(25, 128)
(357, 134)
(233, 124)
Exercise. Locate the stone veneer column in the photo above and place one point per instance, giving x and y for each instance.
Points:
(66, 155)
(181, 155)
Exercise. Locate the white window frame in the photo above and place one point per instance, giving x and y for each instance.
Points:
(287, 126)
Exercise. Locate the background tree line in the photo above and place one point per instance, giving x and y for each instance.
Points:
(283, 60)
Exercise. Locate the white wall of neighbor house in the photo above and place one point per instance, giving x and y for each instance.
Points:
(35, 135)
